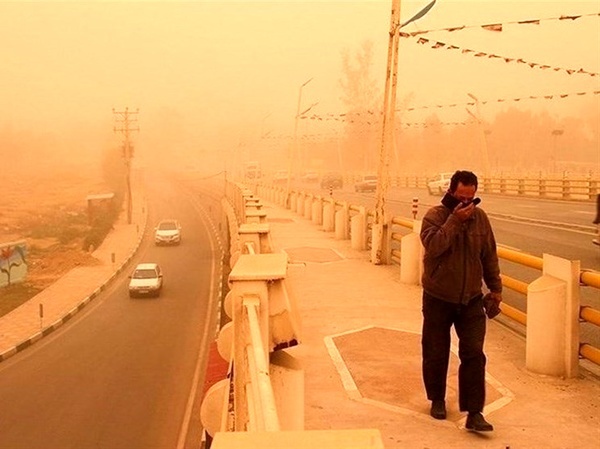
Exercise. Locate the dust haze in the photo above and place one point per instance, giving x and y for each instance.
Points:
(218, 83)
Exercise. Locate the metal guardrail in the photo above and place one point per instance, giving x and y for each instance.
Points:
(564, 187)
(588, 278)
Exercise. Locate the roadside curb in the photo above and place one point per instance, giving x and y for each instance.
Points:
(84, 302)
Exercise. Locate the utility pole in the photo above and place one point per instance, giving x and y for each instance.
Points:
(125, 119)
(389, 106)
(379, 254)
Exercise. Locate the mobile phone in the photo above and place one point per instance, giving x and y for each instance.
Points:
(451, 202)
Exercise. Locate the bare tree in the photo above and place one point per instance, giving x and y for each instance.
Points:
(362, 98)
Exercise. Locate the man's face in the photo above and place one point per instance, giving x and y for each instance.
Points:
(464, 193)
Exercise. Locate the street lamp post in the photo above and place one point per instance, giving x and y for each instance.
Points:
(483, 134)
(555, 134)
(292, 150)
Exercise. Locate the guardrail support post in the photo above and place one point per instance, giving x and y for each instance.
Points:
(307, 212)
(341, 222)
(566, 189)
(317, 211)
(250, 277)
(257, 234)
(411, 256)
(329, 216)
(358, 231)
(552, 346)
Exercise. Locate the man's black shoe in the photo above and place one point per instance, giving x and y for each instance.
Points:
(438, 409)
(476, 422)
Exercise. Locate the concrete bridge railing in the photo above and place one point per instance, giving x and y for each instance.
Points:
(262, 397)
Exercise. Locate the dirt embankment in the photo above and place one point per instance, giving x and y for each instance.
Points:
(49, 210)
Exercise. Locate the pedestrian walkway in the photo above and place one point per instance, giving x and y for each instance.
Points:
(361, 352)
(360, 347)
(56, 304)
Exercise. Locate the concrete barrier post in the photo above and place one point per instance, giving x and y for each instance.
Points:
(411, 256)
(301, 201)
(317, 211)
(329, 216)
(250, 278)
(358, 232)
(341, 222)
(293, 201)
(257, 234)
(308, 201)
(552, 345)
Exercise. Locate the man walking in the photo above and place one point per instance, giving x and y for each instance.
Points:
(460, 254)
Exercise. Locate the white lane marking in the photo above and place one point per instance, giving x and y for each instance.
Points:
(540, 225)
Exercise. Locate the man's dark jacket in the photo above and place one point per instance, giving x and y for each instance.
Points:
(458, 255)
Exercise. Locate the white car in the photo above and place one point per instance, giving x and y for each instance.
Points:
(146, 280)
(439, 184)
(280, 177)
(168, 232)
(367, 183)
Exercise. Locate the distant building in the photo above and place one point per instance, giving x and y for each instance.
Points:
(98, 205)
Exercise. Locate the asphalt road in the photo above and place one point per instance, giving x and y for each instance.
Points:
(124, 372)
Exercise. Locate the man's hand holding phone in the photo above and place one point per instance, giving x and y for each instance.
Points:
(464, 210)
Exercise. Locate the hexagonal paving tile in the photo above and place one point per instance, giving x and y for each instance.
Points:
(392, 373)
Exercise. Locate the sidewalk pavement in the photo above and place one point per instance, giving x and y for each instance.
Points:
(59, 302)
(360, 348)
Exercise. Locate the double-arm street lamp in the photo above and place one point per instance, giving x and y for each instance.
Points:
(483, 133)
(293, 149)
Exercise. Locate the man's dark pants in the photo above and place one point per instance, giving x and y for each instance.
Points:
(469, 323)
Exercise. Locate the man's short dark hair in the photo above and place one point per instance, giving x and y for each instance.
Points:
(467, 178)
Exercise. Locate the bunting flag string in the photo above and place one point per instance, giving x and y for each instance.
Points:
(369, 116)
(405, 125)
(503, 100)
(498, 27)
(481, 54)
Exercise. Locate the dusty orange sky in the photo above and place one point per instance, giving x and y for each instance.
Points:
(220, 74)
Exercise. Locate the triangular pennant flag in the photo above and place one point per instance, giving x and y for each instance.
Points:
(492, 27)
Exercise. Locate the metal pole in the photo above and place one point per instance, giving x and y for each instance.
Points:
(388, 124)
(128, 155)
(484, 147)
(292, 150)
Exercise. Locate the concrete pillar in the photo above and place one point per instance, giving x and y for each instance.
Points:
(329, 216)
(293, 201)
(249, 279)
(341, 222)
(358, 233)
(308, 202)
(317, 211)
(411, 256)
(552, 345)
